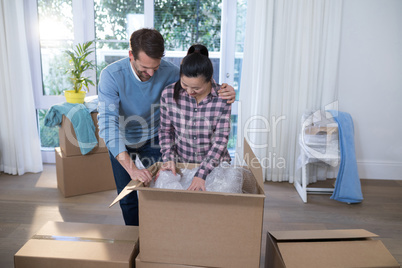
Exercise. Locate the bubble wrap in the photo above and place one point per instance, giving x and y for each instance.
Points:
(224, 178)
(187, 177)
(167, 180)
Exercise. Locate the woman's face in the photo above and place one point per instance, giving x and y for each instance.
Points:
(196, 87)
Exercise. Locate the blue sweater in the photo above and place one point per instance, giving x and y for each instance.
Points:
(128, 108)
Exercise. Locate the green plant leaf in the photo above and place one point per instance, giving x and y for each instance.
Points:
(79, 63)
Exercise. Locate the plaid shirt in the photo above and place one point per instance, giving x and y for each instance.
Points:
(192, 133)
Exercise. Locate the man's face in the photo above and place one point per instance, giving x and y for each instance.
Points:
(144, 66)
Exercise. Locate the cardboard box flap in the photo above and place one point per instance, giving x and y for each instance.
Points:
(361, 253)
(321, 234)
(131, 186)
(253, 163)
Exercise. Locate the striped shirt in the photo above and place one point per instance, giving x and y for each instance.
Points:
(194, 133)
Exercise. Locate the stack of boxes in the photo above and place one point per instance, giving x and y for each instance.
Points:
(79, 174)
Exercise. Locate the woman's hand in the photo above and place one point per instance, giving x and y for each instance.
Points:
(227, 93)
(170, 165)
(198, 184)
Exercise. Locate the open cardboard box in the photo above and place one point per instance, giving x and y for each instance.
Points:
(326, 248)
(84, 245)
(208, 229)
(68, 139)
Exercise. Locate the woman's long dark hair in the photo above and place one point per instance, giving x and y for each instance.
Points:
(196, 63)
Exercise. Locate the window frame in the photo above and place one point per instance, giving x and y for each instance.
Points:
(84, 30)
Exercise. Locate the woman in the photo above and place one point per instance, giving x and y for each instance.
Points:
(195, 122)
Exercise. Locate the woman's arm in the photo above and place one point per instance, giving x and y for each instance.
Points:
(219, 146)
(166, 129)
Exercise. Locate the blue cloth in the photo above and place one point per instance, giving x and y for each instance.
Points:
(91, 102)
(129, 111)
(81, 120)
(347, 184)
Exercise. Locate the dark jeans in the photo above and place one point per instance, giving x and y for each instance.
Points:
(149, 153)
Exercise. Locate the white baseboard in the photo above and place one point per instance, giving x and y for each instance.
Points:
(380, 170)
(48, 157)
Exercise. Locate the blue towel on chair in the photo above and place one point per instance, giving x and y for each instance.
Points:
(347, 184)
(81, 120)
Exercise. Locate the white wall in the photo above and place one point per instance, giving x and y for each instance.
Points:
(370, 84)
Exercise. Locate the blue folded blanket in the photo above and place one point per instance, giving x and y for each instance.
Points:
(81, 120)
(347, 185)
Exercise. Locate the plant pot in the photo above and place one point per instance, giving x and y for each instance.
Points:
(72, 97)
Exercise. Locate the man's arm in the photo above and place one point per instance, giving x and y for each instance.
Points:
(108, 122)
(108, 114)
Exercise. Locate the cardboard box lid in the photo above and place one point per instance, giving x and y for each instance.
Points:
(82, 242)
(297, 235)
(330, 248)
(360, 253)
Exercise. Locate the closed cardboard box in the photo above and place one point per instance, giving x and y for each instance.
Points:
(66, 245)
(68, 139)
(207, 229)
(77, 175)
(326, 248)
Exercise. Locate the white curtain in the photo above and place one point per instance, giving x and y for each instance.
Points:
(290, 66)
(19, 142)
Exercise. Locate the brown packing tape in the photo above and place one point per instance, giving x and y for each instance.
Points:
(79, 239)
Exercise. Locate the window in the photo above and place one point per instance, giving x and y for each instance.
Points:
(114, 23)
(219, 24)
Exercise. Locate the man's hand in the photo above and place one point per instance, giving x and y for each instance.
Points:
(141, 175)
(170, 165)
(135, 174)
(198, 184)
(227, 93)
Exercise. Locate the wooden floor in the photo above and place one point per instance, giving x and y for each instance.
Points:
(27, 202)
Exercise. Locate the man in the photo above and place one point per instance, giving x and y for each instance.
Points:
(129, 97)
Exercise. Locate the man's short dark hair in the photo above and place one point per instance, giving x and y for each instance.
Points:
(148, 40)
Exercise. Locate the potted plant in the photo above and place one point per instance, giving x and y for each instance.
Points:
(79, 63)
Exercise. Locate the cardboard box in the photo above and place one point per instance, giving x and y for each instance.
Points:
(317, 130)
(65, 245)
(141, 264)
(326, 248)
(77, 175)
(202, 228)
(68, 139)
